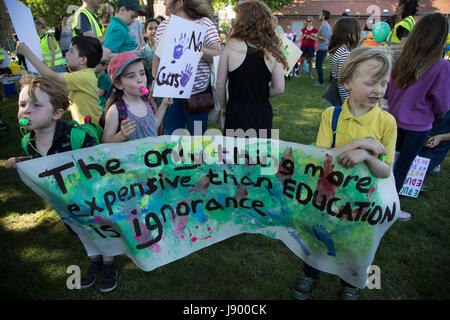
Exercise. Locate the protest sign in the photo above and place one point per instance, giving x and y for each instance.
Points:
(292, 53)
(159, 199)
(180, 54)
(23, 23)
(416, 175)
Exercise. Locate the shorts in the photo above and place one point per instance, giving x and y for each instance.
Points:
(307, 52)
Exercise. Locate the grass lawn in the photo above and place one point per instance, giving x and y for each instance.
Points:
(37, 249)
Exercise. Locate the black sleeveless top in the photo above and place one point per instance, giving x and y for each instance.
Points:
(248, 88)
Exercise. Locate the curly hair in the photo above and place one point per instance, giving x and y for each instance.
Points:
(254, 23)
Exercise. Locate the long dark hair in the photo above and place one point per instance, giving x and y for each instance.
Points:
(409, 8)
(423, 48)
(345, 32)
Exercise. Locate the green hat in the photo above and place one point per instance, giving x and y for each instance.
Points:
(130, 4)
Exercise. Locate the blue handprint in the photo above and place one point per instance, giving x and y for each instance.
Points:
(324, 236)
(186, 75)
(180, 46)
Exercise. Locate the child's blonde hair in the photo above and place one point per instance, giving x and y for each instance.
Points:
(57, 93)
(360, 55)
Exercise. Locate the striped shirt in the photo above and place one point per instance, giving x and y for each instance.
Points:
(337, 59)
(203, 74)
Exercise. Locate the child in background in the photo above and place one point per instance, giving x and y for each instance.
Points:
(418, 92)
(104, 84)
(117, 37)
(83, 56)
(364, 132)
(129, 115)
(438, 143)
(42, 103)
(344, 39)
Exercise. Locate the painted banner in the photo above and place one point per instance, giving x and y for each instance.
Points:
(180, 50)
(159, 199)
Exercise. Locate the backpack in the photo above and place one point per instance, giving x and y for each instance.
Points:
(77, 135)
(123, 113)
(334, 122)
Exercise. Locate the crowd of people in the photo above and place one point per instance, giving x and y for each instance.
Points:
(112, 60)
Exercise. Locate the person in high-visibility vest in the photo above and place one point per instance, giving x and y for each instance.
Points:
(86, 23)
(406, 9)
(51, 53)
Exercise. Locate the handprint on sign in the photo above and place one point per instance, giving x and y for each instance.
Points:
(180, 46)
(186, 75)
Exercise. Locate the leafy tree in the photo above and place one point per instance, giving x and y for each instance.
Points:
(50, 10)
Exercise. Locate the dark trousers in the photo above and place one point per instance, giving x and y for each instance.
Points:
(409, 143)
(320, 56)
(438, 153)
(314, 273)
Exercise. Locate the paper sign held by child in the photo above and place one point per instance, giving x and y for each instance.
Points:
(181, 50)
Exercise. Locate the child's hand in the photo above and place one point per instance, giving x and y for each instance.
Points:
(372, 145)
(127, 127)
(11, 163)
(21, 48)
(351, 158)
(167, 101)
(433, 141)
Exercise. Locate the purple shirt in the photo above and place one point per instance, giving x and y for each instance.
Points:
(416, 106)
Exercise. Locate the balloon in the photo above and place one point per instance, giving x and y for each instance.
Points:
(381, 31)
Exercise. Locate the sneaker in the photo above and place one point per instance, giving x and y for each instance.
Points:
(349, 293)
(437, 168)
(109, 278)
(318, 84)
(91, 276)
(404, 216)
(302, 288)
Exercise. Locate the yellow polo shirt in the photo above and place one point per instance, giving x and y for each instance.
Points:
(377, 124)
(83, 94)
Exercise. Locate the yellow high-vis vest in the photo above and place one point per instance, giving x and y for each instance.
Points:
(47, 53)
(407, 23)
(2, 55)
(97, 28)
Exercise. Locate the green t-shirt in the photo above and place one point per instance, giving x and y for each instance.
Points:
(117, 38)
(104, 83)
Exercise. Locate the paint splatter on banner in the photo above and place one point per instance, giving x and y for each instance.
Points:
(160, 199)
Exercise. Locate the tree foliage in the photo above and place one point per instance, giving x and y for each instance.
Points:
(50, 10)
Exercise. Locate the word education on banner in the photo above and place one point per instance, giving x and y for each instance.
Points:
(181, 52)
(159, 199)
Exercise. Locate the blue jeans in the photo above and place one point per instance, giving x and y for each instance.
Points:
(176, 117)
(320, 56)
(409, 143)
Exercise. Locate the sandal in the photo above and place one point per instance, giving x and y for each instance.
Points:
(302, 288)
(349, 293)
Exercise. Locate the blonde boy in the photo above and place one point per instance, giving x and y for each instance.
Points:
(364, 133)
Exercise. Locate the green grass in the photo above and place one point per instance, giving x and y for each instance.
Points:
(37, 249)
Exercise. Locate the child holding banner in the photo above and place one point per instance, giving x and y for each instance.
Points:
(42, 104)
(364, 132)
(129, 115)
(418, 92)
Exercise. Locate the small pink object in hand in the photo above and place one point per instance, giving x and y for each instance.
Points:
(144, 90)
